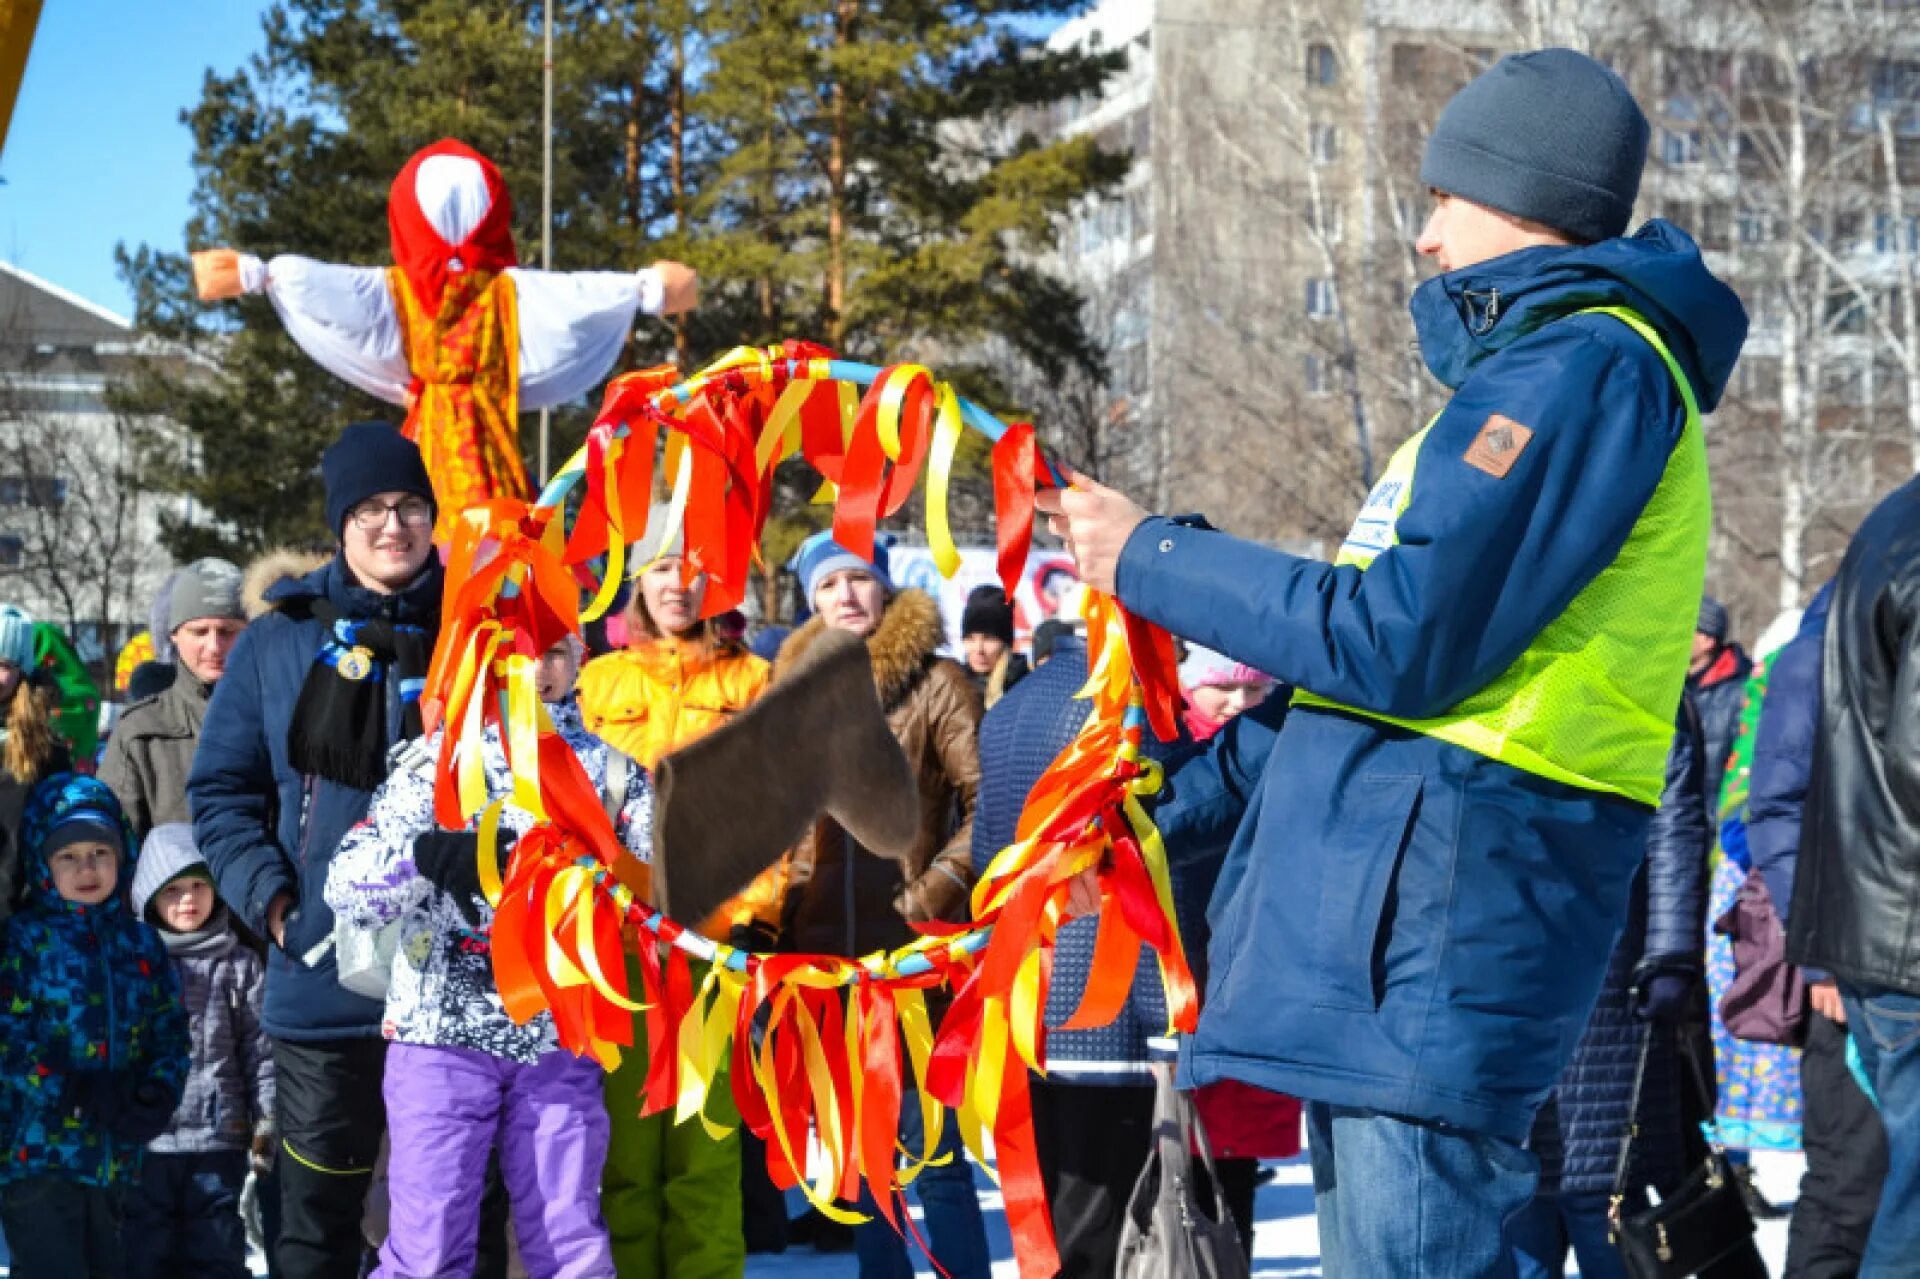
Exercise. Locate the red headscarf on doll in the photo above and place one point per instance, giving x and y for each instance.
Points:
(422, 253)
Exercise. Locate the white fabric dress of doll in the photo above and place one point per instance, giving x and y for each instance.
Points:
(456, 331)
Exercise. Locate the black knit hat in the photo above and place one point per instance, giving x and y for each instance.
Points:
(370, 458)
(1551, 136)
(988, 613)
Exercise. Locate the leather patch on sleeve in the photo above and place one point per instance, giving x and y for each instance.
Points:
(1498, 446)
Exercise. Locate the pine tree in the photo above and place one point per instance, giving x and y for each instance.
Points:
(841, 170)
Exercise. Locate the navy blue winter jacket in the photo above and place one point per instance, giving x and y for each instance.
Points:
(1783, 754)
(266, 829)
(1403, 925)
(1023, 733)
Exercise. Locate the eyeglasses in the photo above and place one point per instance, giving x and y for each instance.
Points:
(371, 517)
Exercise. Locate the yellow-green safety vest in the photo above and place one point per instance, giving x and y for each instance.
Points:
(1592, 701)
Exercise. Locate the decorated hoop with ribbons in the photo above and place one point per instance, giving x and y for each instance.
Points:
(844, 1037)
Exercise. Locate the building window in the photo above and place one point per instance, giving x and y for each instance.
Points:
(1321, 300)
(1322, 67)
(1680, 140)
(1887, 237)
(1319, 382)
(12, 551)
(1752, 226)
(1409, 63)
(1323, 219)
(33, 490)
(1324, 142)
(1713, 226)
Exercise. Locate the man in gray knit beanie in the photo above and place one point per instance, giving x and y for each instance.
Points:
(151, 750)
(1439, 836)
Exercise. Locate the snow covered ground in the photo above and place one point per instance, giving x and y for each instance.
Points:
(1286, 1243)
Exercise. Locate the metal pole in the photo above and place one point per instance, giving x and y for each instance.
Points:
(546, 198)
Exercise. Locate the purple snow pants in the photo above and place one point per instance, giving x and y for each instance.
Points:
(445, 1109)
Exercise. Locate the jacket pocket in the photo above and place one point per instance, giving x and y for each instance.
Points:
(1350, 927)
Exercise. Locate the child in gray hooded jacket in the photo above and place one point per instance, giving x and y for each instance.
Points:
(184, 1218)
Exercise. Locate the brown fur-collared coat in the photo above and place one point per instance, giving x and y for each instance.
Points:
(841, 899)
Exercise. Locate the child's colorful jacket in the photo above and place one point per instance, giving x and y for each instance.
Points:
(93, 1037)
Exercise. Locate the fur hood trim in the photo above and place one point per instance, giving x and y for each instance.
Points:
(910, 634)
(271, 568)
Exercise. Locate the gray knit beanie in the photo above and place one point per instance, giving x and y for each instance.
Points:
(1550, 136)
(204, 588)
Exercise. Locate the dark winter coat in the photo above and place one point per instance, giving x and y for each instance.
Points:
(150, 753)
(1019, 738)
(1720, 692)
(1783, 754)
(998, 682)
(266, 829)
(1404, 925)
(1579, 1130)
(229, 1093)
(1855, 910)
(842, 899)
(84, 991)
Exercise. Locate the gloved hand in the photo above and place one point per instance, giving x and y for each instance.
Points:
(266, 1139)
(145, 1109)
(754, 937)
(132, 1108)
(450, 861)
(89, 1097)
(1665, 997)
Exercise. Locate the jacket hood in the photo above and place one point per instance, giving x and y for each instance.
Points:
(417, 604)
(269, 569)
(169, 850)
(59, 799)
(910, 633)
(1466, 315)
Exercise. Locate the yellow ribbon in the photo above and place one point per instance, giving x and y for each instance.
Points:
(524, 716)
(490, 886)
(916, 1027)
(893, 397)
(946, 441)
(780, 437)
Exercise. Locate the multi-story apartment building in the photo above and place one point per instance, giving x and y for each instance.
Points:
(79, 532)
(1251, 279)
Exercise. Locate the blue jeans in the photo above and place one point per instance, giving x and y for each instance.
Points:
(1885, 1024)
(1398, 1197)
(954, 1229)
(1551, 1226)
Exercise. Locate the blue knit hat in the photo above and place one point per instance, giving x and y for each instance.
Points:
(819, 556)
(368, 459)
(1551, 136)
(61, 810)
(16, 638)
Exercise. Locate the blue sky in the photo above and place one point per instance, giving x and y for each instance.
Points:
(96, 153)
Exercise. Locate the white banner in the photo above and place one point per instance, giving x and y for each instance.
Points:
(1048, 578)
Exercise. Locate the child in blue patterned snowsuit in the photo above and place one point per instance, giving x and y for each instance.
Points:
(93, 1041)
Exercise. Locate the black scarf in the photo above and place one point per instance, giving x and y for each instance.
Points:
(339, 729)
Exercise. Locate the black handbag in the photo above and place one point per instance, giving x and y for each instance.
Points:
(1705, 1217)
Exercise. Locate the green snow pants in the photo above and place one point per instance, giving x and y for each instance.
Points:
(671, 1194)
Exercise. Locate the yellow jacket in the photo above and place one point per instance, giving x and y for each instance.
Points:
(650, 700)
